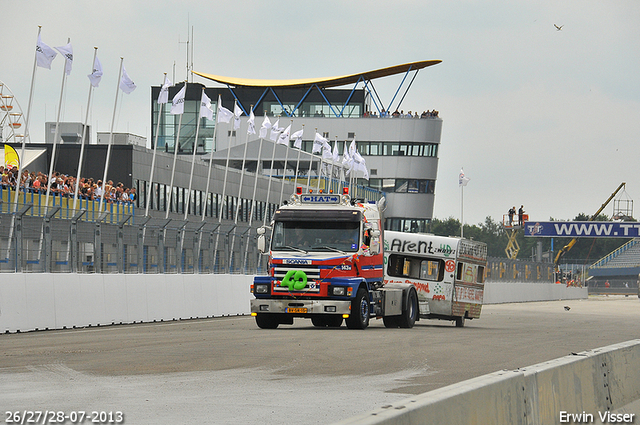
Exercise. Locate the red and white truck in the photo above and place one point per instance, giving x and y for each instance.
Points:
(326, 263)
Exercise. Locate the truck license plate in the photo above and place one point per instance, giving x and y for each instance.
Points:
(296, 310)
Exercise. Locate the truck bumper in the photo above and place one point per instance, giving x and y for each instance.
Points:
(300, 308)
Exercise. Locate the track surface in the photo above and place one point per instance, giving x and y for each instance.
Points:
(227, 371)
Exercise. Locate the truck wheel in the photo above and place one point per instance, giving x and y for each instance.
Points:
(408, 317)
(460, 322)
(390, 321)
(359, 318)
(267, 321)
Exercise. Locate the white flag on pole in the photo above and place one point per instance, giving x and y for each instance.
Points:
(67, 52)
(237, 112)
(224, 115)
(126, 84)
(352, 149)
(283, 138)
(44, 54)
(462, 179)
(363, 165)
(346, 159)
(177, 104)
(336, 156)
(326, 151)
(297, 136)
(251, 123)
(205, 107)
(318, 143)
(266, 126)
(96, 75)
(275, 130)
(163, 97)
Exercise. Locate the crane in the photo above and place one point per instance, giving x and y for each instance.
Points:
(573, 241)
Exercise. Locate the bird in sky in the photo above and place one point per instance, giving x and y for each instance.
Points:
(558, 28)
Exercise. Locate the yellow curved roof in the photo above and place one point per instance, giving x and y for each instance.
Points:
(322, 82)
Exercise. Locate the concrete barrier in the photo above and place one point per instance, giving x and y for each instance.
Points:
(587, 387)
(510, 292)
(41, 301)
(30, 301)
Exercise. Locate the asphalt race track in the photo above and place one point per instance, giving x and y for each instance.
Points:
(228, 371)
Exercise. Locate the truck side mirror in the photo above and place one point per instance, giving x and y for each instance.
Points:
(261, 244)
(261, 240)
(374, 246)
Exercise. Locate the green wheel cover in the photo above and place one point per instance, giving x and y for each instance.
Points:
(295, 279)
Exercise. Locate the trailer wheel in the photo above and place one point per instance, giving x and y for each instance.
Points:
(267, 321)
(460, 322)
(359, 318)
(408, 317)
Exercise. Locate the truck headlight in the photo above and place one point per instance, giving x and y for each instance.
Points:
(339, 291)
(261, 288)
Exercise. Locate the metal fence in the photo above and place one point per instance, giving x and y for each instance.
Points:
(505, 270)
(53, 243)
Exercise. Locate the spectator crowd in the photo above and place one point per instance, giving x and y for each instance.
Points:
(401, 114)
(65, 185)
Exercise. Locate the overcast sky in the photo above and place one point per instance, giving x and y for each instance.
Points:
(545, 118)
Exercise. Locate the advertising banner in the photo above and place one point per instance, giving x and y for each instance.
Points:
(584, 229)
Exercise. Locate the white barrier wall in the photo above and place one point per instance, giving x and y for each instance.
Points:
(510, 292)
(56, 300)
(592, 384)
(30, 301)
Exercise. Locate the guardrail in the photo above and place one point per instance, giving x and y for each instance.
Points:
(595, 386)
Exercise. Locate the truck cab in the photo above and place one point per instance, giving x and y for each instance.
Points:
(325, 263)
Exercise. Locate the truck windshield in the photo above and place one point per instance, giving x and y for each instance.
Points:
(315, 236)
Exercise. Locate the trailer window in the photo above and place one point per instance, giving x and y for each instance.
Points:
(415, 268)
(466, 272)
(429, 269)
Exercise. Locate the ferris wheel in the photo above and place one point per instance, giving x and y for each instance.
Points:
(12, 120)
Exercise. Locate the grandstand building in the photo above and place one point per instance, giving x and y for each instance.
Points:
(401, 153)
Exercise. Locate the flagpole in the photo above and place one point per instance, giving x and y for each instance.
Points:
(224, 184)
(193, 159)
(235, 220)
(273, 157)
(153, 158)
(333, 161)
(55, 137)
(206, 192)
(253, 200)
(320, 166)
(176, 146)
(298, 161)
(343, 174)
(26, 134)
(33, 83)
(284, 171)
(310, 164)
(113, 120)
(462, 211)
(84, 134)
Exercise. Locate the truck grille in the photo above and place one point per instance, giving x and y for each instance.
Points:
(312, 272)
